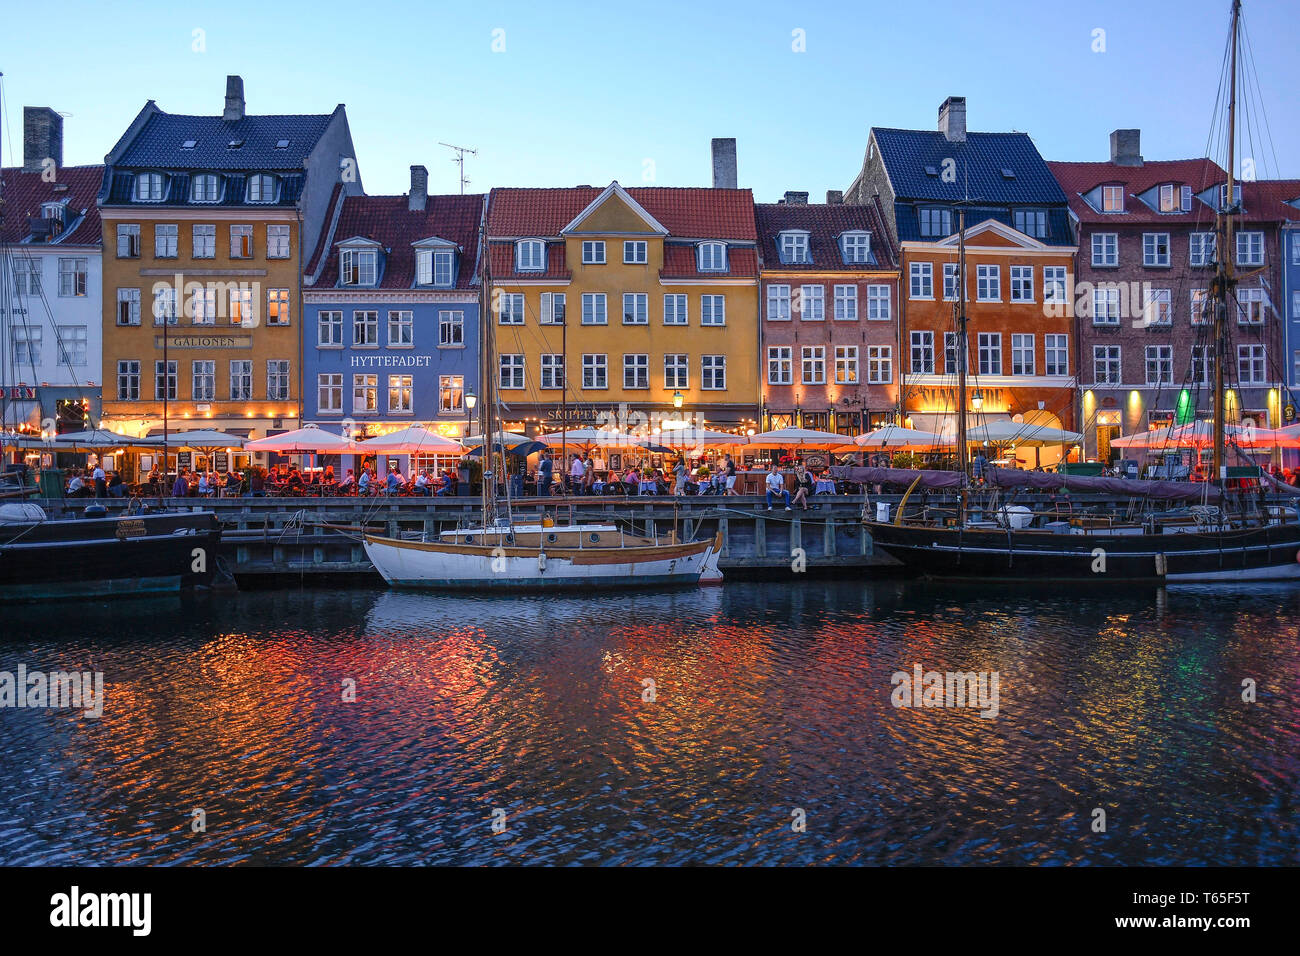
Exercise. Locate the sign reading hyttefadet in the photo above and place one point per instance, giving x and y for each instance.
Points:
(67, 690)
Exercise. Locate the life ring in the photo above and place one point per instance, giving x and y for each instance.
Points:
(594, 537)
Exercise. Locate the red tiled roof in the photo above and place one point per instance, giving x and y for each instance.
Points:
(1077, 178)
(689, 213)
(501, 264)
(1271, 199)
(825, 223)
(23, 193)
(680, 262)
(388, 221)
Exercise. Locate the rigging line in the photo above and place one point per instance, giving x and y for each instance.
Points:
(1259, 93)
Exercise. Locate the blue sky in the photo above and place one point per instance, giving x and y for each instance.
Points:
(585, 93)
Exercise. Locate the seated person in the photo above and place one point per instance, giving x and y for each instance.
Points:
(115, 487)
(77, 487)
(348, 484)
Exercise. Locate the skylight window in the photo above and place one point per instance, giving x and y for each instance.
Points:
(235, 144)
(931, 171)
(189, 144)
(281, 144)
(1008, 173)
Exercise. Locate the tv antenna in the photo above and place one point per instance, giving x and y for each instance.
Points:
(459, 160)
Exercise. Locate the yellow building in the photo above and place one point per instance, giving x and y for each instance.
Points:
(644, 301)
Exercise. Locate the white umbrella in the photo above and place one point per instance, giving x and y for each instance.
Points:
(411, 439)
(592, 438)
(309, 439)
(694, 437)
(895, 436)
(797, 438)
(102, 438)
(1020, 433)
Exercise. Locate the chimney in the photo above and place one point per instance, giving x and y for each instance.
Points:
(795, 199)
(1126, 147)
(724, 164)
(834, 197)
(234, 111)
(952, 119)
(419, 193)
(42, 137)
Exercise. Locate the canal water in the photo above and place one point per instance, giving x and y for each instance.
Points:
(750, 723)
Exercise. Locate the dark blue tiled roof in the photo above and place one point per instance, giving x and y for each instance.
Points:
(909, 228)
(980, 161)
(232, 187)
(159, 144)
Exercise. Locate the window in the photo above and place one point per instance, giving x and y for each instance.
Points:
(1201, 365)
(241, 308)
(203, 380)
(202, 306)
(277, 242)
(846, 303)
(401, 329)
(128, 380)
(713, 372)
(72, 345)
(552, 370)
(241, 242)
(512, 309)
(512, 371)
(1105, 306)
(636, 370)
(780, 365)
(713, 310)
(635, 251)
(1160, 364)
(936, 222)
(677, 370)
(164, 380)
(636, 310)
(1250, 306)
(277, 379)
(990, 352)
(595, 371)
(1032, 222)
(950, 289)
(1200, 246)
(241, 380)
(951, 353)
(553, 305)
(400, 388)
(1155, 249)
(880, 364)
(1199, 305)
(1056, 354)
(878, 303)
(1223, 195)
(1175, 199)
(26, 346)
(794, 247)
(277, 306)
(675, 309)
(365, 329)
(149, 187)
(444, 267)
(593, 252)
(1250, 248)
(1105, 249)
(1295, 248)
(365, 394)
(1022, 355)
(1157, 309)
(1252, 369)
(922, 280)
(451, 329)
(329, 329)
(261, 188)
(593, 309)
(1112, 198)
(329, 393)
(27, 276)
(358, 266)
(205, 242)
(1054, 284)
(922, 353)
(72, 277)
(128, 306)
(164, 240)
(778, 303)
(713, 257)
(1106, 365)
(128, 241)
(856, 247)
(988, 283)
(1295, 304)
(1022, 283)
(530, 255)
(814, 365)
(451, 394)
(846, 365)
(203, 188)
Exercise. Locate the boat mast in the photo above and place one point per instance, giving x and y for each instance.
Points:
(487, 492)
(963, 455)
(1225, 280)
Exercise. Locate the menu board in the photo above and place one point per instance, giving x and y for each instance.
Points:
(221, 462)
(184, 459)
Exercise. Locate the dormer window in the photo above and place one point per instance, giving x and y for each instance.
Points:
(935, 223)
(712, 257)
(149, 187)
(856, 247)
(1112, 198)
(357, 266)
(530, 255)
(435, 267)
(1174, 198)
(53, 210)
(1223, 196)
(794, 247)
(261, 187)
(204, 188)
(1032, 222)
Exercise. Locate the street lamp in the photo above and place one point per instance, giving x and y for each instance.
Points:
(977, 400)
(677, 399)
(470, 401)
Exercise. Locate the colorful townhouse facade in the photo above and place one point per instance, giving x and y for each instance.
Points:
(1286, 193)
(50, 267)
(391, 313)
(1019, 245)
(625, 308)
(208, 222)
(829, 294)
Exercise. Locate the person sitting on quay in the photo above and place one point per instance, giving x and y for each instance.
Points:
(363, 482)
(205, 488)
(421, 485)
(348, 484)
(393, 483)
(776, 485)
(77, 486)
(803, 484)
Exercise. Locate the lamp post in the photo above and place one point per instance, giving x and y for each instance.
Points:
(677, 400)
(977, 400)
(470, 401)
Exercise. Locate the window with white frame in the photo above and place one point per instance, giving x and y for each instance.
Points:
(329, 393)
(241, 307)
(241, 380)
(365, 328)
(675, 309)
(26, 342)
(595, 371)
(365, 394)
(856, 247)
(401, 328)
(593, 309)
(72, 345)
(1200, 248)
(1054, 284)
(401, 390)
(277, 307)
(990, 353)
(451, 329)
(950, 290)
(553, 305)
(261, 187)
(72, 277)
(128, 380)
(880, 364)
(635, 251)
(164, 380)
(329, 329)
(593, 252)
(636, 370)
(677, 370)
(203, 380)
(1112, 198)
(164, 305)
(1223, 195)
(952, 352)
(512, 370)
(935, 223)
(511, 305)
(1250, 306)
(444, 267)
(1157, 309)
(204, 238)
(846, 303)
(530, 255)
(358, 266)
(277, 241)
(1022, 354)
(164, 240)
(921, 276)
(1202, 365)
(1160, 364)
(1032, 222)
(1199, 306)
(1105, 249)
(203, 305)
(128, 307)
(1106, 365)
(846, 365)
(712, 257)
(636, 308)
(922, 353)
(814, 365)
(1056, 354)
(128, 240)
(879, 308)
(204, 188)
(794, 247)
(277, 379)
(27, 276)
(1022, 283)
(149, 187)
(778, 303)
(713, 310)
(713, 373)
(552, 370)
(1105, 305)
(1175, 198)
(1155, 249)
(1295, 304)
(1252, 367)
(1250, 248)
(988, 283)
(451, 394)
(780, 365)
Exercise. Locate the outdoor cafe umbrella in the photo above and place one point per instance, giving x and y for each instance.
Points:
(796, 438)
(697, 437)
(592, 438)
(517, 449)
(100, 439)
(1022, 434)
(310, 439)
(895, 436)
(205, 439)
(509, 438)
(412, 438)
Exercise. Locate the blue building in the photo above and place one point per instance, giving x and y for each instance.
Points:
(1289, 305)
(391, 314)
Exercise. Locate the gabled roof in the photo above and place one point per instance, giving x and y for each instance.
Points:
(1077, 179)
(980, 161)
(691, 212)
(159, 143)
(388, 221)
(614, 189)
(23, 193)
(824, 225)
(1000, 229)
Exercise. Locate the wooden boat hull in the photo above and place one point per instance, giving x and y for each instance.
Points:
(1254, 554)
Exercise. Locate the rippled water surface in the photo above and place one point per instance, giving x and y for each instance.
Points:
(768, 699)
